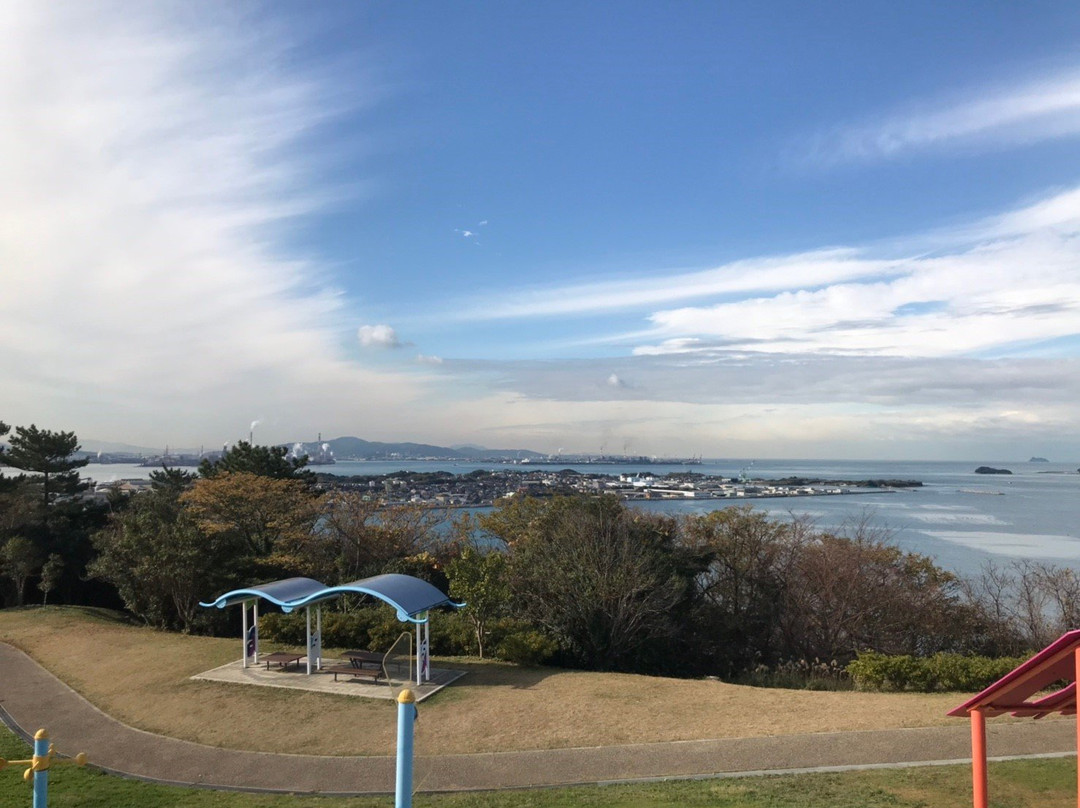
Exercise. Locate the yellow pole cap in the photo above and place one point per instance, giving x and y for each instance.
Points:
(40, 735)
(80, 759)
(406, 697)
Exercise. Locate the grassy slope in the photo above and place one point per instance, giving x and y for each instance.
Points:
(1017, 784)
(141, 676)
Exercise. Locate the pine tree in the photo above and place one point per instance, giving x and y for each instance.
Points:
(48, 453)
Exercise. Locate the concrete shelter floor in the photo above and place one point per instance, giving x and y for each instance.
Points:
(295, 677)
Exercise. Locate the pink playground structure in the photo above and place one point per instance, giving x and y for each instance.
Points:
(1059, 661)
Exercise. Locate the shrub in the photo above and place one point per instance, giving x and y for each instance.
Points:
(287, 629)
(799, 674)
(354, 629)
(451, 634)
(946, 672)
(526, 647)
(375, 628)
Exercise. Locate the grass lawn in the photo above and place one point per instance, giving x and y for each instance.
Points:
(141, 677)
(1017, 784)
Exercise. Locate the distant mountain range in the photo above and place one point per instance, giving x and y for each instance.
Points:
(350, 447)
(343, 448)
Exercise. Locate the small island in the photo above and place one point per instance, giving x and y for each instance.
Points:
(991, 470)
(1038, 460)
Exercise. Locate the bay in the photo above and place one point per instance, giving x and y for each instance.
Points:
(958, 518)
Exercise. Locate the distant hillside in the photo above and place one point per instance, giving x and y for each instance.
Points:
(375, 450)
(92, 446)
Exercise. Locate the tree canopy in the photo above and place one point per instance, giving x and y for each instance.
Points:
(47, 453)
(265, 461)
(269, 521)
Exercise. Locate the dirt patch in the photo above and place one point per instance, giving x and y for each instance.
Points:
(141, 677)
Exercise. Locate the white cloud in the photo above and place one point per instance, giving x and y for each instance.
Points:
(429, 360)
(151, 152)
(378, 336)
(1005, 281)
(1043, 109)
(979, 299)
(969, 344)
(736, 278)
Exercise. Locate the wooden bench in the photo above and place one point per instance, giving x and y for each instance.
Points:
(353, 671)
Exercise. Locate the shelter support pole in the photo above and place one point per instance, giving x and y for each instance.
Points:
(318, 633)
(1076, 657)
(243, 633)
(406, 718)
(978, 759)
(418, 682)
(255, 616)
(307, 611)
(427, 649)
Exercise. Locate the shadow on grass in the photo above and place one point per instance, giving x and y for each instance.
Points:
(502, 674)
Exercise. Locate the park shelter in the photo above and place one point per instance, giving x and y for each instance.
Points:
(1013, 694)
(413, 599)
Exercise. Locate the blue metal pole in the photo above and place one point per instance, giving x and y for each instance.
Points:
(40, 766)
(406, 717)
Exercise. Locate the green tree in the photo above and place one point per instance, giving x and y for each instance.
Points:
(19, 559)
(478, 577)
(6, 483)
(49, 454)
(158, 560)
(610, 583)
(747, 557)
(265, 461)
(51, 572)
(172, 481)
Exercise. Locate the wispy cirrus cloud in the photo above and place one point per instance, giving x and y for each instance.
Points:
(153, 153)
(737, 278)
(1017, 286)
(1003, 281)
(985, 118)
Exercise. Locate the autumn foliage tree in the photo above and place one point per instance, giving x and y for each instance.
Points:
(268, 521)
(846, 594)
(366, 535)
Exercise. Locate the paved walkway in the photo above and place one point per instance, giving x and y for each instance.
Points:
(31, 697)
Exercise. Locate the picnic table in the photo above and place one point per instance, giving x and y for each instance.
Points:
(361, 657)
(355, 669)
(283, 658)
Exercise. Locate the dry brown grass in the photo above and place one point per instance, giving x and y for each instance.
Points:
(141, 677)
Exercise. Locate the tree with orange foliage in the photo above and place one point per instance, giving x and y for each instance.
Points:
(270, 521)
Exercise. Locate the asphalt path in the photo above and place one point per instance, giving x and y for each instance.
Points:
(31, 698)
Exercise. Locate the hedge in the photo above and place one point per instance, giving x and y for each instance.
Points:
(940, 672)
(377, 628)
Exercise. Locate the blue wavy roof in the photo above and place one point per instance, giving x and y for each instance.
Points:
(410, 596)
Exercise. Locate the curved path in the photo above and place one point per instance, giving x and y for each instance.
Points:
(31, 697)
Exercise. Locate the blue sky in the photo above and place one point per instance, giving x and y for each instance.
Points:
(730, 229)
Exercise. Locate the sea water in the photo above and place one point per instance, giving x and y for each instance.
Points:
(958, 518)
